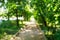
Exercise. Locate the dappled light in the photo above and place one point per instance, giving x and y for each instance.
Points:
(29, 19)
(31, 31)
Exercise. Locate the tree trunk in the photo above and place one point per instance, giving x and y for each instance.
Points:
(17, 21)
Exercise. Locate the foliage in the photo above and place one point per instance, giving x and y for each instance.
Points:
(46, 13)
(7, 27)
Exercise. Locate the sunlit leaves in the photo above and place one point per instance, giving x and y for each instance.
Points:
(49, 24)
(56, 15)
(56, 22)
(1, 0)
(48, 5)
(45, 0)
(27, 7)
(49, 33)
(55, 8)
(14, 6)
(44, 11)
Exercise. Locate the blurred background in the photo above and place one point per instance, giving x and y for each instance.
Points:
(13, 14)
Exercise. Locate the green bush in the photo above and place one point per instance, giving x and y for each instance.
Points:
(8, 27)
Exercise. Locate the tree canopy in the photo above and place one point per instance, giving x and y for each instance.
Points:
(46, 13)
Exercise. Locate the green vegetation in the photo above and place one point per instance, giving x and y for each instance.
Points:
(46, 13)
